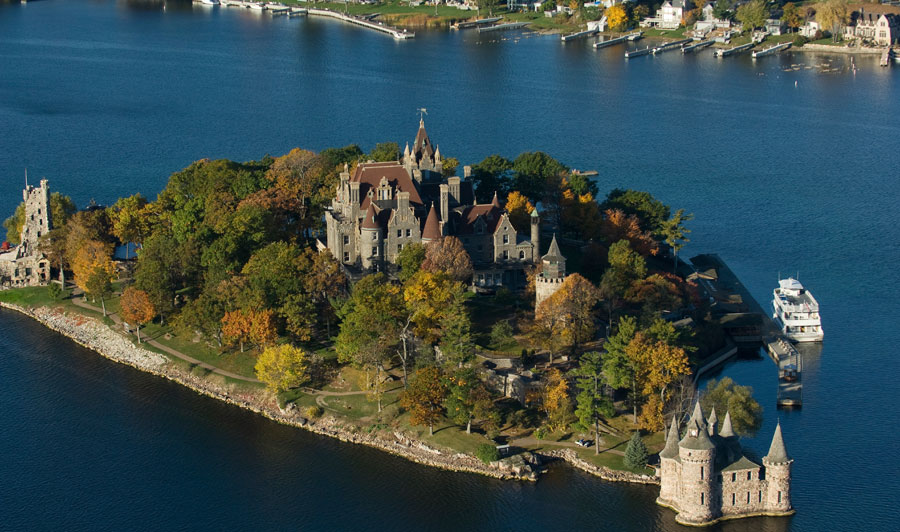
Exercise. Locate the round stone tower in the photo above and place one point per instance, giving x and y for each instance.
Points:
(370, 241)
(778, 475)
(669, 472)
(535, 236)
(552, 275)
(697, 453)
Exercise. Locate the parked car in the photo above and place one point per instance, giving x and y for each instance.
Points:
(584, 443)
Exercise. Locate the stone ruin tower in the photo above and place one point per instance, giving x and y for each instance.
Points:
(552, 275)
(37, 217)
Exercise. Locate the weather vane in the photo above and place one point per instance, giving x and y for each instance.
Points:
(422, 113)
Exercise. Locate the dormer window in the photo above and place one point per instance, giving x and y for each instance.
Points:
(693, 433)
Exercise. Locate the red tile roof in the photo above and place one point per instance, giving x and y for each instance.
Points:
(369, 176)
(369, 220)
(432, 229)
(491, 214)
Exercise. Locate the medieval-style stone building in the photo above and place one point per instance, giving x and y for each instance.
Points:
(553, 271)
(385, 206)
(25, 265)
(706, 477)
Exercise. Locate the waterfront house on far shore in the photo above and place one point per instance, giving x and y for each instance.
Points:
(669, 15)
(879, 25)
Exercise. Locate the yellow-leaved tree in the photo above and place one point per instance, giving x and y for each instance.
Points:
(658, 366)
(136, 308)
(283, 367)
(94, 270)
(617, 18)
(519, 209)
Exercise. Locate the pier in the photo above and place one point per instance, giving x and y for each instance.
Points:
(396, 33)
(690, 48)
(580, 35)
(475, 23)
(501, 27)
(735, 50)
(609, 42)
(638, 53)
(669, 46)
(772, 50)
(746, 322)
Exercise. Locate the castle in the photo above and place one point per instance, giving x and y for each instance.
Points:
(706, 477)
(553, 272)
(385, 206)
(25, 265)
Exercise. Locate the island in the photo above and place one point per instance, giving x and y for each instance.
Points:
(488, 320)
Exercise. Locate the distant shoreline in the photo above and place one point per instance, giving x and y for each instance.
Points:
(100, 338)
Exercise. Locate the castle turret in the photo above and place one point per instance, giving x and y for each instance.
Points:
(37, 217)
(371, 237)
(712, 423)
(668, 466)
(552, 275)
(778, 475)
(727, 430)
(697, 454)
(432, 230)
(535, 236)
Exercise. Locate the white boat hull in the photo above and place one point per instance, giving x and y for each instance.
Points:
(800, 335)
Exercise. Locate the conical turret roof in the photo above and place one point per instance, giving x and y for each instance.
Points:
(432, 230)
(727, 431)
(369, 221)
(496, 201)
(534, 213)
(777, 453)
(671, 448)
(696, 436)
(713, 422)
(553, 253)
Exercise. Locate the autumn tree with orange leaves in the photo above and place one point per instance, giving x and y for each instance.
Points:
(519, 209)
(658, 366)
(424, 398)
(617, 226)
(448, 256)
(566, 317)
(136, 308)
(243, 326)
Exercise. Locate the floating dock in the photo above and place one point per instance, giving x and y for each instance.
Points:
(638, 53)
(609, 42)
(772, 50)
(670, 46)
(501, 27)
(580, 35)
(475, 23)
(732, 51)
(397, 33)
(690, 48)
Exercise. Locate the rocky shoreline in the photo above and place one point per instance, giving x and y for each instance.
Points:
(98, 337)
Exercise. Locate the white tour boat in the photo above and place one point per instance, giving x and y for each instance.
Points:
(797, 312)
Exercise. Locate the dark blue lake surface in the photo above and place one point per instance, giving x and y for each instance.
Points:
(785, 169)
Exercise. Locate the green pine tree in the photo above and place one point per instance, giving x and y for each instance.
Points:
(636, 452)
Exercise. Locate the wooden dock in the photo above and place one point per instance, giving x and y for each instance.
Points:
(776, 344)
(771, 50)
(736, 50)
(670, 46)
(696, 46)
(638, 53)
(475, 23)
(609, 42)
(502, 27)
(397, 33)
(580, 35)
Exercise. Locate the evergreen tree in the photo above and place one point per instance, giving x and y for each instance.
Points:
(636, 452)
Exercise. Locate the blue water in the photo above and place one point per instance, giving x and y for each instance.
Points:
(784, 170)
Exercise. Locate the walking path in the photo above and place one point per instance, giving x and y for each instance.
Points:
(77, 301)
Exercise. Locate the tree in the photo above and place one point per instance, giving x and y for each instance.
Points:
(674, 232)
(94, 270)
(424, 398)
(790, 15)
(489, 5)
(625, 267)
(493, 174)
(385, 151)
(651, 212)
(449, 166)
(536, 173)
(833, 14)
(410, 260)
(555, 401)
(457, 341)
(501, 333)
(448, 256)
(519, 209)
(618, 368)
(617, 18)
(467, 398)
(14, 224)
(136, 308)
(723, 9)
(53, 245)
(263, 331)
(592, 403)
(283, 367)
(753, 14)
(636, 452)
(580, 213)
(61, 209)
(616, 226)
(728, 396)
(324, 281)
(487, 453)
(658, 366)
(157, 271)
(130, 219)
(655, 293)
(236, 327)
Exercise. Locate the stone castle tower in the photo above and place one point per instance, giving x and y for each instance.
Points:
(706, 477)
(25, 265)
(37, 216)
(553, 273)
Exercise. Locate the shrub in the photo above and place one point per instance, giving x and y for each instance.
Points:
(501, 333)
(799, 40)
(55, 291)
(540, 433)
(314, 412)
(487, 453)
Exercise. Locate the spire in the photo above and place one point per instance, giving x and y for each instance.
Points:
(369, 219)
(406, 151)
(727, 431)
(713, 421)
(495, 202)
(777, 453)
(553, 252)
(432, 229)
(437, 154)
(696, 436)
(671, 448)
(422, 121)
(534, 213)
